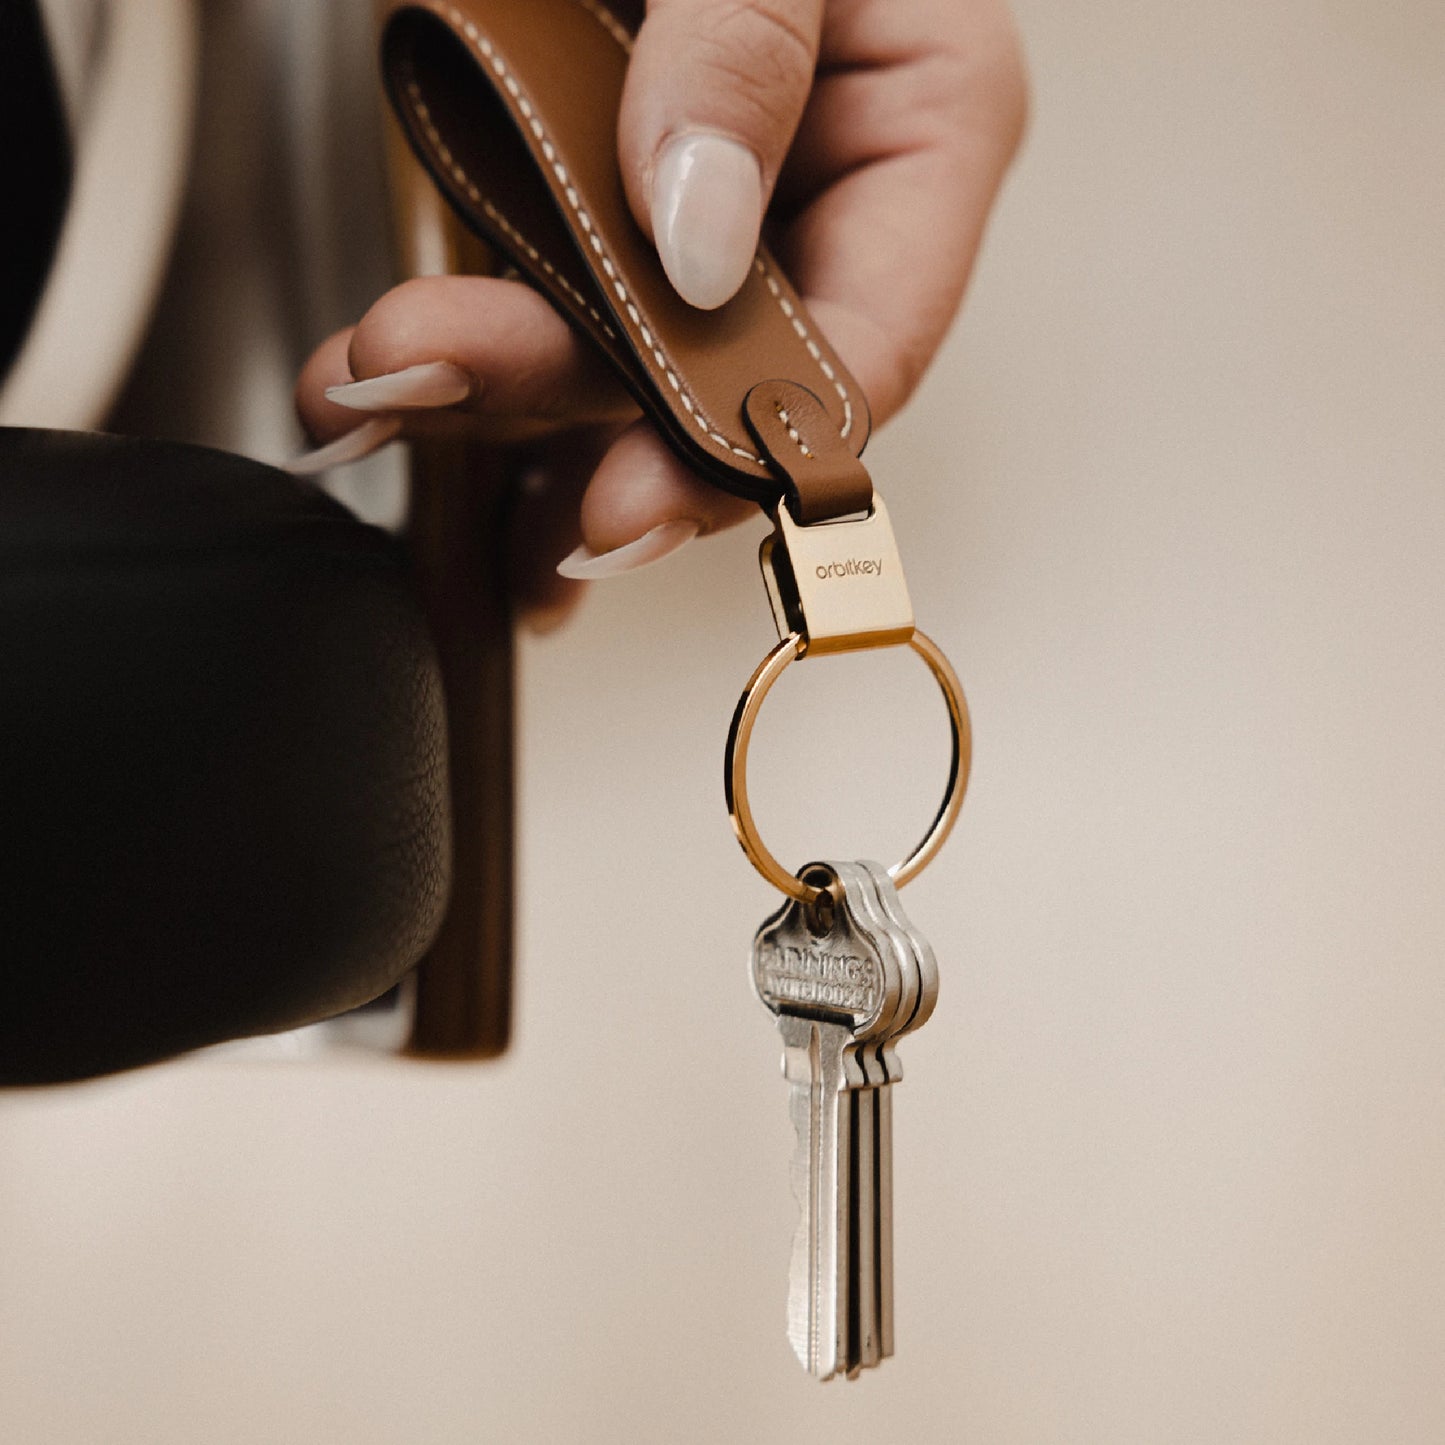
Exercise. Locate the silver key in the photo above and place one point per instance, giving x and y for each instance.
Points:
(820, 970)
(871, 1271)
(925, 1001)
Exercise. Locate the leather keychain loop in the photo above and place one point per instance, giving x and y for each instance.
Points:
(512, 105)
(797, 437)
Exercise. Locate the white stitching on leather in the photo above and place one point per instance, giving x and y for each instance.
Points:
(618, 32)
(487, 51)
(790, 311)
(444, 155)
(792, 431)
(609, 22)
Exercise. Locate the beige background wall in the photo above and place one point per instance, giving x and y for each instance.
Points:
(1171, 1156)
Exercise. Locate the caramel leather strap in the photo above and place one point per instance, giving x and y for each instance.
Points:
(797, 437)
(512, 105)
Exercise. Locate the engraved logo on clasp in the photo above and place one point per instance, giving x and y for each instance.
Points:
(851, 567)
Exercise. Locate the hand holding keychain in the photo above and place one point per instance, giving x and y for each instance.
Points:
(840, 964)
(512, 105)
(877, 132)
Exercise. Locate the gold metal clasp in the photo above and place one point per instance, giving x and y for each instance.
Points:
(839, 586)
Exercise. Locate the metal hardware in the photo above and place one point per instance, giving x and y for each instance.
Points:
(838, 585)
(735, 779)
(845, 990)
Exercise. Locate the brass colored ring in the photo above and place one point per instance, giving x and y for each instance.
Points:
(735, 772)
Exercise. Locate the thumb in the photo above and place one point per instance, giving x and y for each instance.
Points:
(715, 89)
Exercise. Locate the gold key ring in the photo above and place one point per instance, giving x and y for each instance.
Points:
(735, 774)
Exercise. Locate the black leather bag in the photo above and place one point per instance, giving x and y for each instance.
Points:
(223, 782)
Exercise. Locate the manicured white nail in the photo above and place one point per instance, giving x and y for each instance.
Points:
(431, 383)
(370, 436)
(707, 208)
(585, 565)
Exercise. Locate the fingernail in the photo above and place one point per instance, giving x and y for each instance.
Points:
(585, 565)
(370, 436)
(432, 383)
(707, 208)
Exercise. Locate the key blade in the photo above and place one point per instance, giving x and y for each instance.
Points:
(874, 1252)
(863, 1316)
(817, 1275)
(886, 895)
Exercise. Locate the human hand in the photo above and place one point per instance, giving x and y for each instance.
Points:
(874, 134)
